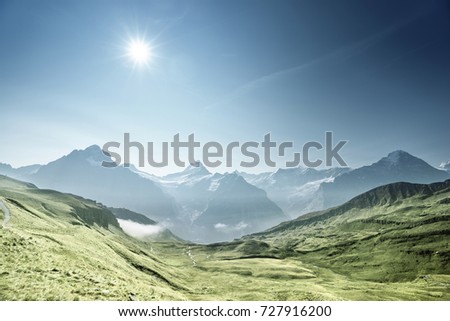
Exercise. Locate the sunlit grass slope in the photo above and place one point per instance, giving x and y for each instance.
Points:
(62, 247)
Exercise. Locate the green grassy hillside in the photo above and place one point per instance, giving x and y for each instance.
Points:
(387, 244)
(394, 233)
(62, 247)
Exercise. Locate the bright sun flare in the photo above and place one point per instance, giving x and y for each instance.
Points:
(139, 52)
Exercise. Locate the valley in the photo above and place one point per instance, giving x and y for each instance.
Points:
(388, 244)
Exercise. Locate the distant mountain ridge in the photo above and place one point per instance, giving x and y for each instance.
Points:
(205, 207)
(20, 172)
(81, 173)
(295, 190)
(220, 207)
(177, 200)
(398, 166)
(236, 207)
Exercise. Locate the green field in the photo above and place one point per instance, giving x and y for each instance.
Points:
(388, 245)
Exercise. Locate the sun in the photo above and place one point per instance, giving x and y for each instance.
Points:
(139, 51)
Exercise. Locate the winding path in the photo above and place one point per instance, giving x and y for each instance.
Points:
(6, 214)
(189, 253)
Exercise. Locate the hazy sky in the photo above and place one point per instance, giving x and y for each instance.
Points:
(376, 73)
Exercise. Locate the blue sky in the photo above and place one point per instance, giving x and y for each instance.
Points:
(376, 73)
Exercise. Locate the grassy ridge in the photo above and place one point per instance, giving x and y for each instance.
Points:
(62, 247)
(398, 232)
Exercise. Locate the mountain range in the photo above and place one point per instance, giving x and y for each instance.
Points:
(295, 190)
(81, 173)
(398, 166)
(220, 206)
(177, 200)
(204, 207)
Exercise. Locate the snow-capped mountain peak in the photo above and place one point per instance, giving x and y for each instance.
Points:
(190, 174)
(397, 166)
(197, 168)
(93, 154)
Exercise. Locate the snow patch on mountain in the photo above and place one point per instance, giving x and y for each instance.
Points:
(445, 166)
